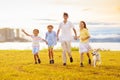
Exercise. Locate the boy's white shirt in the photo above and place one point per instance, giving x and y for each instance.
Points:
(66, 34)
(35, 40)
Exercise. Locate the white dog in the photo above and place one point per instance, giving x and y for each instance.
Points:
(96, 57)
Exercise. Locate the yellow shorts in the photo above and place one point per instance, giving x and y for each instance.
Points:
(50, 47)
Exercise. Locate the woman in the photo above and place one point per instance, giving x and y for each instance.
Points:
(84, 42)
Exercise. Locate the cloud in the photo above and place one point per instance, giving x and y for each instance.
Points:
(118, 9)
(66, 2)
(86, 9)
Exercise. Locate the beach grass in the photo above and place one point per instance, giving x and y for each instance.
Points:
(19, 65)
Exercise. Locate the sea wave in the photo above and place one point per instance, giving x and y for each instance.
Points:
(103, 36)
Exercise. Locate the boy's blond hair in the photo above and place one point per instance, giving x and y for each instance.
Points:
(50, 26)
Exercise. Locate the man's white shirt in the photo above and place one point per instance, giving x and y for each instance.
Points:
(66, 34)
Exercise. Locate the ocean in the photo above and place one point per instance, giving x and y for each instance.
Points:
(104, 36)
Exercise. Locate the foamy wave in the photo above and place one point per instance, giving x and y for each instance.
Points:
(101, 36)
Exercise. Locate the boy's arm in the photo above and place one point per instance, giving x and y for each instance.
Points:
(44, 41)
(25, 33)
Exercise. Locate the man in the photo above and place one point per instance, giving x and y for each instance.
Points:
(66, 37)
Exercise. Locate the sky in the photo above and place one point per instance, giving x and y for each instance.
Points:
(25, 12)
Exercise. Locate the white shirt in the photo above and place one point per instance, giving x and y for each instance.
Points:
(66, 34)
(35, 40)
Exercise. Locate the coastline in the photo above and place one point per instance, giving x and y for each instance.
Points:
(27, 46)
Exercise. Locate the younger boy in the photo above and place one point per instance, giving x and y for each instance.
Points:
(35, 43)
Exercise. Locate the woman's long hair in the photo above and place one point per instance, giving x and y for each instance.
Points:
(84, 24)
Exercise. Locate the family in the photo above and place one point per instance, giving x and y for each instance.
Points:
(52, 37)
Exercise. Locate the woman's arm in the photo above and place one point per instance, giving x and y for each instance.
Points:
(87, 37)
(25, 32)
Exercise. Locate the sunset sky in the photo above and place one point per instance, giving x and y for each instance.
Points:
(20, 12)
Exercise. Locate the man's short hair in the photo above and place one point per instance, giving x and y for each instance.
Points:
(65, 14)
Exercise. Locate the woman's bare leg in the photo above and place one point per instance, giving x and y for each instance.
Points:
(89, 58)
(81, 58)
(88, 55)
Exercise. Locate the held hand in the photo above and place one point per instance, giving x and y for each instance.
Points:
(57, 38)
(75, 37)
(46, 42)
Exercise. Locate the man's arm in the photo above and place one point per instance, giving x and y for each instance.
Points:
(75, 33)
(58, 34)
(46, 36)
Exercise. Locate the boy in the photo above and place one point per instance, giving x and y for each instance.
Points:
(35, 43)
(51, 39)
(66, 37)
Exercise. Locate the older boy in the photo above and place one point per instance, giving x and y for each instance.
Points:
(66, 37)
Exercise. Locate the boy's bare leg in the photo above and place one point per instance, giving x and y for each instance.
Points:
(49, 53)
(37, 56)
(35, 59)
(52, 56)
(52, 53)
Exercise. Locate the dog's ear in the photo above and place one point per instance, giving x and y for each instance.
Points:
(98, 49)
(92, 54)
(92, 50)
